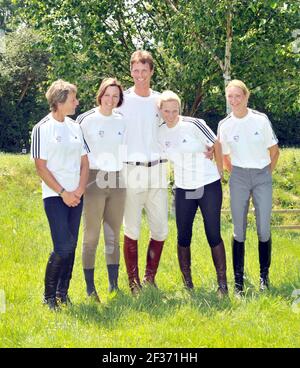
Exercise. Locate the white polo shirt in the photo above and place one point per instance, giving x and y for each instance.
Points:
(142, 118)
(61, 144)
(185, 145)
(247, 140)
(104, 135)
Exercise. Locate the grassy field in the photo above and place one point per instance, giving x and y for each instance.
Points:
(167, 317)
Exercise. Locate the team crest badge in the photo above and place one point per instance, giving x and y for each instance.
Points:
(236, 138)
(101, 133)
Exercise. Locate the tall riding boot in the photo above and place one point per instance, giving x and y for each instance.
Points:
(113, 273)
(264, 250)
(238, 255)
(64, 279)
(53, 271)
(131, 261)
(219, 259)
(153, 257)
(90, 285)
(184, 259)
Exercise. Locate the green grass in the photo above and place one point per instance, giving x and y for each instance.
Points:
(167, 317)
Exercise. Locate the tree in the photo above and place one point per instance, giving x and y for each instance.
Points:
(23, 69)
(197, 46)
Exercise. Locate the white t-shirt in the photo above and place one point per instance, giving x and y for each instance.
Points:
(61, 144)
(185, 145)
(104, 135)
(142, 118)
(247, 140)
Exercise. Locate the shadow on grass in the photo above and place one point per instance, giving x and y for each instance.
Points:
(157, 303)
(161, 304)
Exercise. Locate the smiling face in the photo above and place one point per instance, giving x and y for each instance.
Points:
(169, 111)
(237, 99)
(141, 74)
(109, 100)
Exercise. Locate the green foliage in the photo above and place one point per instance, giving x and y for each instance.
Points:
(87, 41)
(23, 69)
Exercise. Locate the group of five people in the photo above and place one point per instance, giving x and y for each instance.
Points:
(116, 155)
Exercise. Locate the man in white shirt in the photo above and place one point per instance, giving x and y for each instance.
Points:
(146, 179)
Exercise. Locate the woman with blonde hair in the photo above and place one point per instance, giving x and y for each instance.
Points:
(250, 152)
(198, 184)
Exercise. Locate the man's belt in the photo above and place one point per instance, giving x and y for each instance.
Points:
(146, 164)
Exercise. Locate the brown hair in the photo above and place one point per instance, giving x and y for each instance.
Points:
(58, 93)
(142, 56)
(109, 82)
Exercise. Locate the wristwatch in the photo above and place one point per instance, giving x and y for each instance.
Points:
(61, 192)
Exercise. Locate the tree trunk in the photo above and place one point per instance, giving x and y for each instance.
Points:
(227, 64)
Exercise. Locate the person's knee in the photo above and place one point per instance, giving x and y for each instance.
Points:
(239, 237)
(64, 253)
(214, 240)
(184, 240)
(264, 236)
(160, 234)
(132, 233)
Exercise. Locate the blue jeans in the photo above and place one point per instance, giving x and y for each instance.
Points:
(64, 224)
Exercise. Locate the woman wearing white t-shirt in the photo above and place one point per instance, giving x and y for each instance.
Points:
(250, 154)
(197, 179)
(60, 155)
(104, 202)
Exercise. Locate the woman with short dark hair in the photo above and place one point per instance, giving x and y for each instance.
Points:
(104, 132)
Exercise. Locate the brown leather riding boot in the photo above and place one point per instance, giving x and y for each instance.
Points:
(184, 259)
(153, 257)
(131, 261)
(219, 259)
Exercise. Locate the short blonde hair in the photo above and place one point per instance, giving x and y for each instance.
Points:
(142, 56)
(238, 83)
(58, 93)
(168, 96)
(109, 82)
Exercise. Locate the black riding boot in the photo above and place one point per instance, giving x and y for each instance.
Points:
(264, 250)
(64, 279)
(53, 271)
(238, 255)
(113, 273)
(90, 284)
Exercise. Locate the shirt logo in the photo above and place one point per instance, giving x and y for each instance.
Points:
(168, 144)
(119, 133)
(184, 141)
(58, 138)
(236, 138)
(101, 133)
(256, 133)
